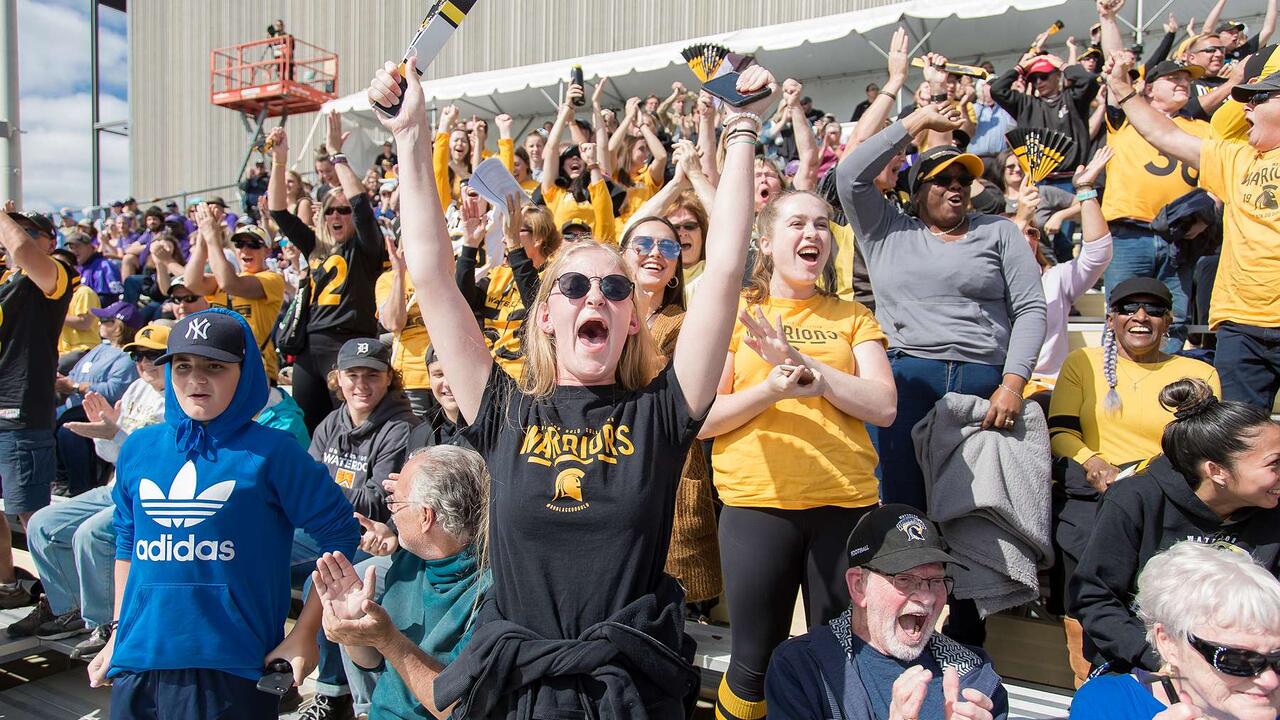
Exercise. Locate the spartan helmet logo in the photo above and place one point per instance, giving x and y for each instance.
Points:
(912, 526)
(569, 485)
(362, 348)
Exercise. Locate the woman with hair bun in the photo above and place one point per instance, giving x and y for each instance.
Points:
(1218, 482)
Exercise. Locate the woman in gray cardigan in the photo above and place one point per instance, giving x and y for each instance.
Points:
(957, 293)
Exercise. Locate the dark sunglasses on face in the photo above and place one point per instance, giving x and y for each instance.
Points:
(667, 248)
(251, 244)
(1236, 662)
(1037, 77)
(184, 299)
(965, 179)
(1211, 49)
(575, 285)
(1261, 97)
(148, 355)
(687, 227)
(340, 209)
(1130, 308)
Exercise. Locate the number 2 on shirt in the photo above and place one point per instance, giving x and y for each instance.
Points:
(330, 293)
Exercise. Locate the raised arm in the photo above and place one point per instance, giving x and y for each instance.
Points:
(1111, 37)
(27, 254)
(806, 177)
(1268, 24)
(551, 152)
(335, 138)
(425, 240)
(699, 354)
(1153, 125)
(706, 111)
(629, 115)
(1211, 20)
(604, 144)
(208, 242)
(877, 114)
(658, 161)
(244, 286)
(506, 145)
(278, 183)
(393, 312)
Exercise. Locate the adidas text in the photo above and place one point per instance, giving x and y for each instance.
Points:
(166, 549)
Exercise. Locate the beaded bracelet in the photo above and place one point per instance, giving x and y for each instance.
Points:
(734, 116)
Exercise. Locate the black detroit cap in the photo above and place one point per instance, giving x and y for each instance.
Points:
(1141, 286)
(895, 538)
(35, 221)
(209, 334)
(364, 352)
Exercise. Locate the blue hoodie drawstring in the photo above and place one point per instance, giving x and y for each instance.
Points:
(192, 437)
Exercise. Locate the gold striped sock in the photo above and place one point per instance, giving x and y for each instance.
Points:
(731, 707)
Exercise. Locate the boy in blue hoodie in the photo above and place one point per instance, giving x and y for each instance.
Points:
(206, 505)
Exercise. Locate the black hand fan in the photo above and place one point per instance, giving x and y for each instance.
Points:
(704, 59)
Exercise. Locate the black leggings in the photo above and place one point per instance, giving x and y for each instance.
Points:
(310, 383)
(766, 555)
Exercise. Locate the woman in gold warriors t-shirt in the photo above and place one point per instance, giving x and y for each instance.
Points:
(792, 459)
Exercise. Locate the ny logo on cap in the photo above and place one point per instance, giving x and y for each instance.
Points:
(362, 348)
(911, 526)
(198, 329)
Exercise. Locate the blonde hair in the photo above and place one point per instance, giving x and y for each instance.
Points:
(542, 226)
(302, 188)
(640, 361)
(757, 290)
(326, 243)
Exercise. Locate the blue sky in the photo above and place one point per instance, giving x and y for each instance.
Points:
(53, 67)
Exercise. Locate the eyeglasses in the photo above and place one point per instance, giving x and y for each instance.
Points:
(643, 245)
(1013, 166)
(149, 355)
(391, 505)
(1131, 308)
(575, 285)
(184, 299)
(1211, 49)
(965, 179)
(340, 209)
(251, 244)
(688, 226)
(1236, 662)
(907, 583)
(1260, 97)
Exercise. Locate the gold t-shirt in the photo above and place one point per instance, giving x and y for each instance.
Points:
(83, 300)
(409, 348)
(800, 453)
(1247, 287)
(261, 314)
(503, 316)
(1147, 179)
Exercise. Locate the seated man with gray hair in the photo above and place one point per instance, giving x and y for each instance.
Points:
(882, 659)
(423, 619)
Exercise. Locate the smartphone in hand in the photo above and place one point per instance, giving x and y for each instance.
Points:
(725, 88)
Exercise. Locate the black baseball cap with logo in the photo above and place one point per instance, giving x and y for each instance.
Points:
(210, 334)
(895, 538)
(1169, 67)
(365, 353)
(1245, 93)
(34, 221)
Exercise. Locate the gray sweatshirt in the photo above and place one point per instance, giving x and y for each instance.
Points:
(977, 299)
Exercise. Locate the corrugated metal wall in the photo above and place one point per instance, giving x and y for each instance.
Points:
(181, 142)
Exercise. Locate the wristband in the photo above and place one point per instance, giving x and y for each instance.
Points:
(1132, 94)
(1088, 194)
(338, 159)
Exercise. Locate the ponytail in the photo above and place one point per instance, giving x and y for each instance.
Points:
(1205, 428)
(1111, 404)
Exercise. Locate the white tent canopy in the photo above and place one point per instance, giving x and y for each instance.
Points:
(834, 55)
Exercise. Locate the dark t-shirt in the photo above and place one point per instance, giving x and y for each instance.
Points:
(342, 285)
(1200, 87)
(30, 323)
(582, 497)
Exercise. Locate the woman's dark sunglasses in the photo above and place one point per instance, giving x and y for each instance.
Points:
(687, 227)
(148, 355)
(251, 244)
(1236, 662)
(340, 209)
(1130, 308)
(575, 285)
(184, 299)
(965, 179)
(669, 249)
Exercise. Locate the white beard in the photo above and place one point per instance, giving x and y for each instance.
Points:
(883, 628)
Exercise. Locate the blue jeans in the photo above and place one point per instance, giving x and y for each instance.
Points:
(921, 384)
(73, 544)
(1139, 252)
(200, 694)
(28, 462)
(361, 681)
(1248, 363)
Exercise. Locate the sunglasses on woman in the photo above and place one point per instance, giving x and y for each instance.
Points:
(1236, 662)
(251, 244)
(687, 226)
(184, 299)
(575, 285)
(667, 248)
(340, 209)
(149, 355)
(1131, 308)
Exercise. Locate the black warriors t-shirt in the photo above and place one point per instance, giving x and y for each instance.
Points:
(30, 323)
(582, 497)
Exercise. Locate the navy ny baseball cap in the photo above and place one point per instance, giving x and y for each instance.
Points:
(213, 335)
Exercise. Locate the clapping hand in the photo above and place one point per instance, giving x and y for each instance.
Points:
(767, 340)
(1088, 174)
(378, 538)
(351, 617)
(103, 418)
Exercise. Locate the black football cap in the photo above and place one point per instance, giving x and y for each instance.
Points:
(895, 538)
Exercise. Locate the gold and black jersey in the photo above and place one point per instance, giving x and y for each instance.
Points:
(1140, 179)
(30, 323)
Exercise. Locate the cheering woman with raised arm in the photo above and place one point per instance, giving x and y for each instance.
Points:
(585, 453)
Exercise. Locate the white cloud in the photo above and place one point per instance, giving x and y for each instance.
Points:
(56, 152)
(53, 52)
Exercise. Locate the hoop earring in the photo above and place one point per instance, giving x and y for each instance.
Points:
(674, 282)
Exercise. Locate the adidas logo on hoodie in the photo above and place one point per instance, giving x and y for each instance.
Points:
(183, 508)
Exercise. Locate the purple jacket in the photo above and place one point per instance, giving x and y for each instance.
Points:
(100, 275)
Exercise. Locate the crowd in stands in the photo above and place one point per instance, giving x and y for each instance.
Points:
(707, 354)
